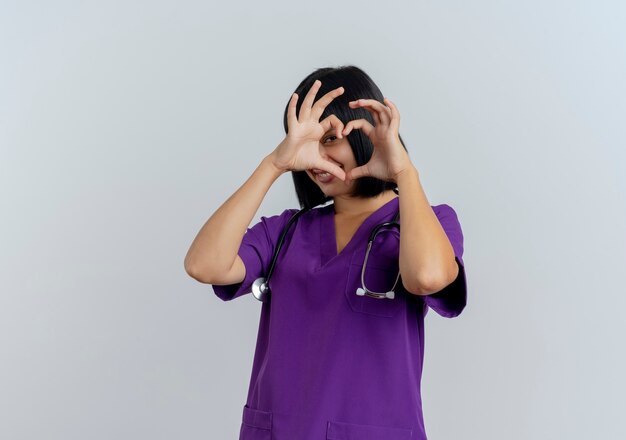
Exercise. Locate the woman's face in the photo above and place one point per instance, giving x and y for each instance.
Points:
(339, 152)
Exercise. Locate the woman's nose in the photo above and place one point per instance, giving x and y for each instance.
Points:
(327, 157)
(324, 155)
(323, 152)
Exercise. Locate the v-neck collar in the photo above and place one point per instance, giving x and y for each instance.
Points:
(328, 233)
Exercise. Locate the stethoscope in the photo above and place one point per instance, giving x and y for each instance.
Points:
(261, 289)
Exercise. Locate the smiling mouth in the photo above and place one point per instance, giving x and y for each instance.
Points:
(324, 177)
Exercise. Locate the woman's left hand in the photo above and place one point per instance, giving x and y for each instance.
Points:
(389, 157)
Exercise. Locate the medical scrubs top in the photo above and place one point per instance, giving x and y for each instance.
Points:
(330, 364)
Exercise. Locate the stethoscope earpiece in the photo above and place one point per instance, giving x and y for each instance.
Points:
(361, 292)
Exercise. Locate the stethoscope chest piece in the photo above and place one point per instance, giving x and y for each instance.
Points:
(260, 286)
(260, 289)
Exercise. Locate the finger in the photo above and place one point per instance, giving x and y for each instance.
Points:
(357, 104)
(291, 110)
(383, 112)
(357, 172)
(361, 124)
(305, 110)
(332, 121)
(395, 114)
(376, 108)
(320, 104)
(332, 168)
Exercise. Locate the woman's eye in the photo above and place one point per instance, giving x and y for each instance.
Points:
(329, 138)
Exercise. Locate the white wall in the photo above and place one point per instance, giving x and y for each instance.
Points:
(124, 125)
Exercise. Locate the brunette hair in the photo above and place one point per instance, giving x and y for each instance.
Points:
(357, 85)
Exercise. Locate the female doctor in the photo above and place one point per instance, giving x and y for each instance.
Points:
(331, 363)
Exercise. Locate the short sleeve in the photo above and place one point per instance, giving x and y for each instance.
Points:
(256, 251)
(451, 300)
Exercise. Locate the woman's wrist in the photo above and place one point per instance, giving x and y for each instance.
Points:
(271, 164)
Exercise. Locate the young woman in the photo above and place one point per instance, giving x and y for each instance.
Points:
(333, 360)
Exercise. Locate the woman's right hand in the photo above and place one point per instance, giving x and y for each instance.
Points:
(300, 150)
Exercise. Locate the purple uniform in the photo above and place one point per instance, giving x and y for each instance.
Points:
(330, 364)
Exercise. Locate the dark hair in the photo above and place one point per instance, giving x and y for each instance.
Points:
(357, 84)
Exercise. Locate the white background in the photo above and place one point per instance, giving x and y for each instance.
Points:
(125, 125)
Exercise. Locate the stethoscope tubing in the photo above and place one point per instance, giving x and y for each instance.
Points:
(260, 286)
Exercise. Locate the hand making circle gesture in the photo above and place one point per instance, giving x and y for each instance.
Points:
(300, 150)
(389, 157)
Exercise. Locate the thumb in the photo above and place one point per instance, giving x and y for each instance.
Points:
(357, 172)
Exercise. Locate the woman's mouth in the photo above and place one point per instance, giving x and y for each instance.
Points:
(322, 176)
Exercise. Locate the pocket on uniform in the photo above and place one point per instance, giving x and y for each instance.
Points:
(351, 431)
(379, 277)
(255, 424)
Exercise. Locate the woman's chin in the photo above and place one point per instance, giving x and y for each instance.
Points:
(338, 188)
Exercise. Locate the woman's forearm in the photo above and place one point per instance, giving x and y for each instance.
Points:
(426, 254)
(215, 247)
